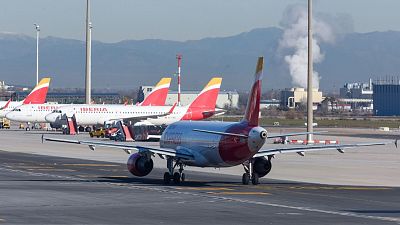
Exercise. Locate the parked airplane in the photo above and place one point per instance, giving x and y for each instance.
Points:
(36, 113)
(36, 96)
(212, 144)
(202, 107)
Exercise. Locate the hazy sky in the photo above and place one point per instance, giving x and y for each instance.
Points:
(116, 20)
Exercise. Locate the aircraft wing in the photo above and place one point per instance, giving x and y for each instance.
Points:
(308, 148)
(127, 148)
(140, 118)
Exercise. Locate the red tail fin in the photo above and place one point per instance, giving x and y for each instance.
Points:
(39, 93)
(253, 104)
(208, 96)
(159, 94)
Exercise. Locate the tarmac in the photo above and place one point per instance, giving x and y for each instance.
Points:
(54, 183)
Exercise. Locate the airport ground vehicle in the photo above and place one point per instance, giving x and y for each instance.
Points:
(214, 144)
(99, 132)
(5, 123)
(148, 132)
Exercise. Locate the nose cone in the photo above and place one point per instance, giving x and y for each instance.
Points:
(3, 113)
(52, 117)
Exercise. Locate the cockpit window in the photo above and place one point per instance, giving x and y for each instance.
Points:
(17, 110)
(57, 111)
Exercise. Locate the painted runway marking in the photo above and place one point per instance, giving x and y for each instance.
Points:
(92, 165)
(238, 193)
(340, 188)
(205, 188)
(45, 169)
(216, 197)
(34, 167)
(115, 177)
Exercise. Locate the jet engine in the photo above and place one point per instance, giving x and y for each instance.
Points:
(139, 165)
(262, 166)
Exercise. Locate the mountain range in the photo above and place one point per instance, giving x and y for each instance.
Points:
(354, 57)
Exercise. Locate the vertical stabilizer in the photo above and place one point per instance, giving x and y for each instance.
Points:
(158, 96)
(208, 96)
(39, 93)
(253, 104)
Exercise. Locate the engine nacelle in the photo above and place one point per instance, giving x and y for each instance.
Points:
(139, 165)
(262, 166)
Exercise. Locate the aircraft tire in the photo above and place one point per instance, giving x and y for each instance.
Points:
(167, 178)
(246, 179)
(255, 179)
(183, 177)
(177, 178)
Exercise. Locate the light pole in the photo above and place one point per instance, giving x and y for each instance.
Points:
(37, 27)
(179, 58)
(310, 112)
(88, 77)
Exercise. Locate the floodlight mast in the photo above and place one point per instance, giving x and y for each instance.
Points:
(37, 27)
(310, 120)
(88, 77)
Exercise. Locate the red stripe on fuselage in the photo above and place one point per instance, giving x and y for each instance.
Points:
(235, 150)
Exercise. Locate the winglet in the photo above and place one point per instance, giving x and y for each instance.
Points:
(253, 104)
(158, 95)
(39, 93)
(172, 109)
(6, 105)
(395, 143)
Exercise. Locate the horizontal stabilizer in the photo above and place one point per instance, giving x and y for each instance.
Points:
(295, 134)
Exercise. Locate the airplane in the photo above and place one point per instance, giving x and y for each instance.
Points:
(201, 108)
(212, 144)
(36, 96)
(36, 113)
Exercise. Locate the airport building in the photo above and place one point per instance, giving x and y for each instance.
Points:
(294, 97)
(225, 98)
(270, 103)
(356, 96)
(386, 97)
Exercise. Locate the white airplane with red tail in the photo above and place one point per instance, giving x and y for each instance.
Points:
(213, 144)
(36, 96)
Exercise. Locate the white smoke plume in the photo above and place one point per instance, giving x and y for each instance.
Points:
(294, 43)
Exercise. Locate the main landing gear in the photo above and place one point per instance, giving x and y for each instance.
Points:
(249, 173)
(176, 177)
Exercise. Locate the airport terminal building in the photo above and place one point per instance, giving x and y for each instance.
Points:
(386, 97)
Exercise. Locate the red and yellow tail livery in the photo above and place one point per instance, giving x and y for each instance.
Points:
(39, 93)
(159, 94)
